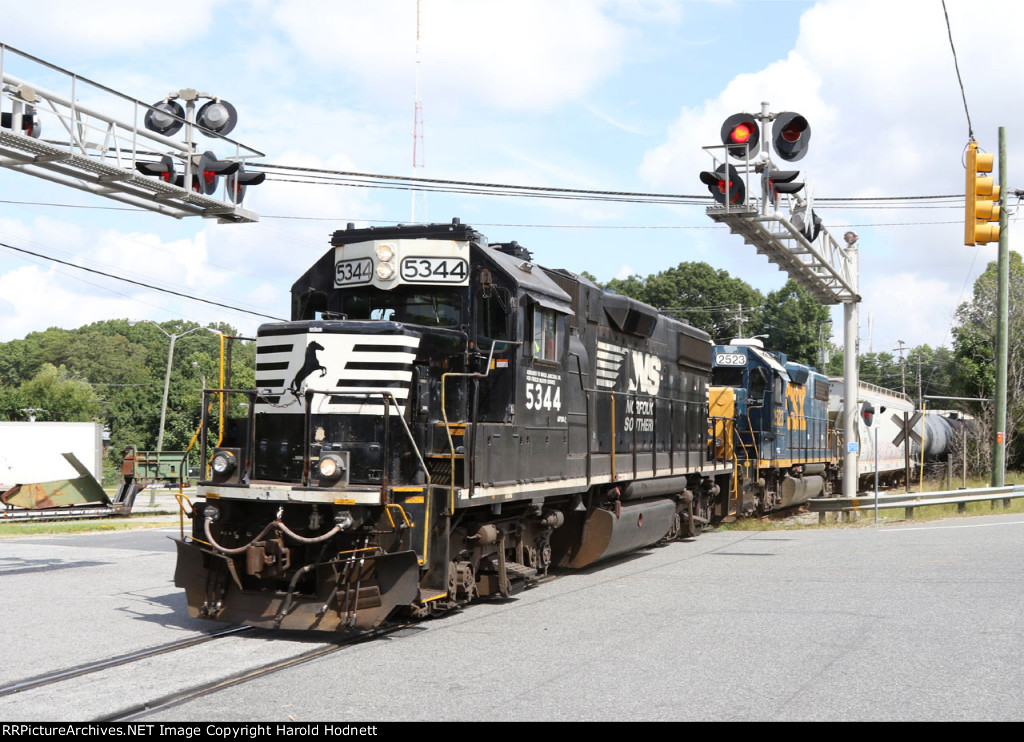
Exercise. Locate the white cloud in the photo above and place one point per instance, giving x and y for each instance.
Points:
(89, 29)
(533, 55)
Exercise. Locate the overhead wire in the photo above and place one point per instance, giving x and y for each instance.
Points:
(151, 287)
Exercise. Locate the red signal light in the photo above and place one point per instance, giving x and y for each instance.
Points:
(742, 136)
(725, 180)
(791, 135)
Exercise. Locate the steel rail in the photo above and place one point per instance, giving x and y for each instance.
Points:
(124, 659)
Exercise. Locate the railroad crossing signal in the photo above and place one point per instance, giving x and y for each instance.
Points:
(237, 183)
(867, 413)
(742, 135)
(980, 212)
(791, 134)
(29, 122)
(725, 188)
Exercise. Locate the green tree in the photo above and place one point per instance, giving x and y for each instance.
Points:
(60, 396)
(974, 350)
(723, 306)
(794, 321)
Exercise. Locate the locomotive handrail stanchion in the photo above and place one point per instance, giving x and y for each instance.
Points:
(307, 420)
(590, 436)
(671, 436)
(408, 433)
(386, 449)
(634, 429)
(612, 396)
(205, 472)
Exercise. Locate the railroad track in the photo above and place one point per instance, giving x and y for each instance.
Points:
(183, 696)
(110, 692)
(124, 659)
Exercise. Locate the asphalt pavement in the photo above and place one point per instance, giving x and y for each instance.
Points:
(895, 622)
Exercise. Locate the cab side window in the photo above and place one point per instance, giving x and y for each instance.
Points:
(548, 331)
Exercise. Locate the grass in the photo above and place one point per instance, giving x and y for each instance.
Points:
(13, 529)
(922, 513)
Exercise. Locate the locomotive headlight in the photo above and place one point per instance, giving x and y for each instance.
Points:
(331, 466)
(385, 253)
(385, 271)
(224, 462)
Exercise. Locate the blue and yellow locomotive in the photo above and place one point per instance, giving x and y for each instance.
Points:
(771, 416)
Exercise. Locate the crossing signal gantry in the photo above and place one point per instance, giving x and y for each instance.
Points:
(797, 242)
(119, 147)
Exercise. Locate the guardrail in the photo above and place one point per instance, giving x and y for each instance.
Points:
(910, 500)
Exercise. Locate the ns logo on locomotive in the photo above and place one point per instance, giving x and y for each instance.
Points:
(443, 419)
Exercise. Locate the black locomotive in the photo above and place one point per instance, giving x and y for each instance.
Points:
(443, 419)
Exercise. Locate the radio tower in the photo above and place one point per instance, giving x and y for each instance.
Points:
(417, 124)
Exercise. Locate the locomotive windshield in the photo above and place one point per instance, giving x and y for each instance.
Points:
(727, 376)
(435, 308)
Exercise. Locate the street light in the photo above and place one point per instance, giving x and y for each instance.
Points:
(167, 387)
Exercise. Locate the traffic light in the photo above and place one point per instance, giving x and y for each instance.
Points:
(790, 136)
(867, 413)
(980, 212)
(742, 135)
(166, 117)
(164, 169)
(725, 182)
(237, 182)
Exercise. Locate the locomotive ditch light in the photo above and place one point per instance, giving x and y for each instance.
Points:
(217, 116)
(166, 117)
(331, 466)
(742, 135)
(224, 462)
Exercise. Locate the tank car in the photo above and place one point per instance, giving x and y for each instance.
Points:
(771, 415)
(444, 419)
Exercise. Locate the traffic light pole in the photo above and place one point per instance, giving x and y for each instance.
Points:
(1002, 325)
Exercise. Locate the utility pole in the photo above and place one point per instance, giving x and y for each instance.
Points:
(1002, 325)
(903, 367)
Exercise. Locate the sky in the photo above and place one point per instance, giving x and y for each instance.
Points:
(584, 94)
